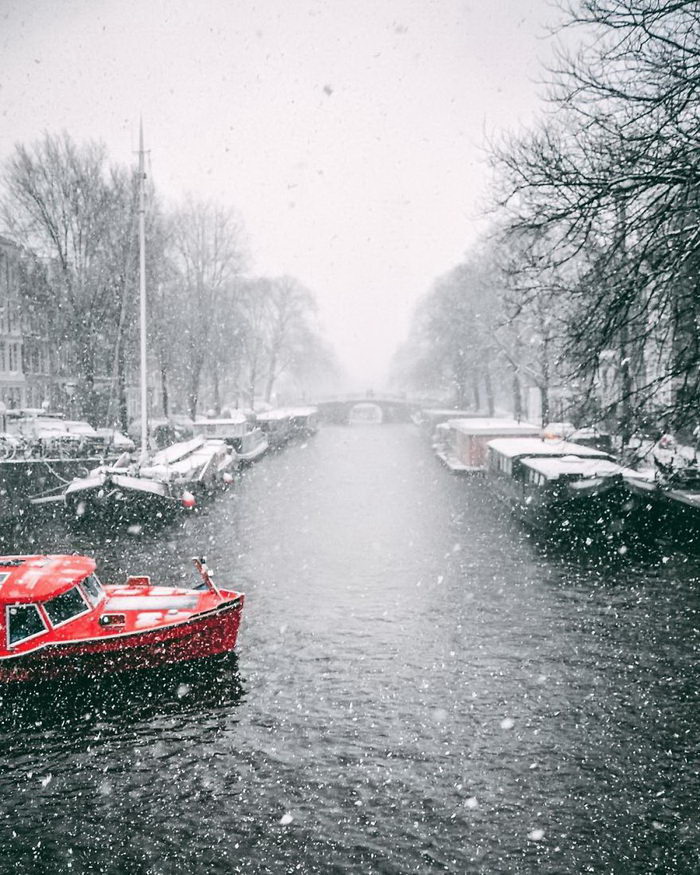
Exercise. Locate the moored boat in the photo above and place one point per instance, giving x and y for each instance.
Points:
(58, 619)
(303, 421)
(428, 418)
(239, 431)
(275, 425)
(559, 486)
(461, 444)
(154, 490)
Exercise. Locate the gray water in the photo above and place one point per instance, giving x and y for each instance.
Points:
(419, 688)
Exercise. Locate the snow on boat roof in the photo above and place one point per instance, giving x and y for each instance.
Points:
(493, 426)
(516, 447)
(236, 418)
(37, 578)
(273, 414)
(552, 468)
(302, 411)
(450, 412)
(177, 451)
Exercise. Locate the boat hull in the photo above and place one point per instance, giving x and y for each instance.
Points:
(249, 451)
(120, 499)
(597, 512)
(666, 516)
(209, 634)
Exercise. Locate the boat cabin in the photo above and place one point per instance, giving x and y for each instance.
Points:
(569, 470)
(429, 418)
(465, 441)
(303, 421)
(230, 428)
(276, 425)
(40, 594)
(504, 454)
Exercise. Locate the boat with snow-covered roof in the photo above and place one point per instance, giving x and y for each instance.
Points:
(559, 486)
(58, 619)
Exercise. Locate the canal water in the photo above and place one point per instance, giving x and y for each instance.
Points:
(418, 688)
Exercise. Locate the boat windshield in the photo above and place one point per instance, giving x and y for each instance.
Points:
(93, 589)
(65, 606)
(23, 621)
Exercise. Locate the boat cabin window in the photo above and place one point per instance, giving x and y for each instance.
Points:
(65, 606)
(93, 589)
(535, 477)
(23, 621)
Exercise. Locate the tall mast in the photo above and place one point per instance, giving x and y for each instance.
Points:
(142, 292)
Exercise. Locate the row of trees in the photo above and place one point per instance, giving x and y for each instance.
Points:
(589, 280)
(218, 335)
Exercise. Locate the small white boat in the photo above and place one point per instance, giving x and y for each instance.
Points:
(247, 440)
(154, 490)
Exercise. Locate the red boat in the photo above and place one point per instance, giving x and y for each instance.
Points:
(58, 619)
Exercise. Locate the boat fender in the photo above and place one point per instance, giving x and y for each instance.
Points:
(188, 500)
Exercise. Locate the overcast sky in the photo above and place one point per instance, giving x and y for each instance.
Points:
(349, 134)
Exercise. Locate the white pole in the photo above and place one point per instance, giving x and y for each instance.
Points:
(142, 290)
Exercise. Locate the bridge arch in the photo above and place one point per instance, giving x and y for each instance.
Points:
(338, 410)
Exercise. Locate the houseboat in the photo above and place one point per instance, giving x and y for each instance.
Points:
(558, 486)
(461, 444)
(240, 432)
(58, 619)
(303, 421)
(428, 418)
(276, 426)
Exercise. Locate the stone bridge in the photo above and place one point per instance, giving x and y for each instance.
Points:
(370, 407)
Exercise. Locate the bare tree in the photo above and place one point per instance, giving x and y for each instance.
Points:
(207, 253)
(59, 201)
(612, 179)
(289, 309)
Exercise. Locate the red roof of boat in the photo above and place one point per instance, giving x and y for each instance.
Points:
(37, 578)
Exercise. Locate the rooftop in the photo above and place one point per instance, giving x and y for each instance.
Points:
(515, 448)
(493, 426)
(37, 578)
(553, 468)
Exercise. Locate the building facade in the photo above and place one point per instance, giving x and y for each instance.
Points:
(26, 368)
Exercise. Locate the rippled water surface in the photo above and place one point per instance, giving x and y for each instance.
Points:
(418, 688)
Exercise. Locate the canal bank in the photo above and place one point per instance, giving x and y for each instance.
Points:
(418, 688)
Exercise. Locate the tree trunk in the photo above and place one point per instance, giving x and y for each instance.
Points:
(517, 397)
(544, 403)
(193, 391)
(272, 367)
(488, 385)
(626, 388)
(165, 402)
(87, 367)
(122, 407)
(216, 388)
